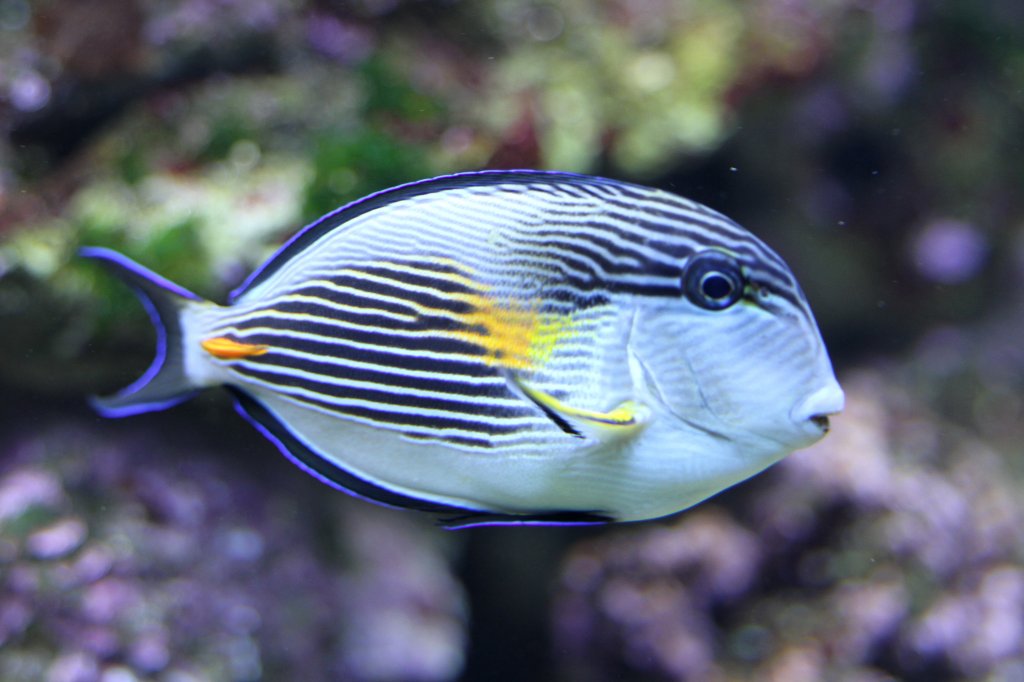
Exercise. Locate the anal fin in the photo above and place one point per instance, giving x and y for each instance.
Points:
(555, 518)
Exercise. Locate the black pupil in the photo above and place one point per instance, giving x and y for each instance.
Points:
(716, 286)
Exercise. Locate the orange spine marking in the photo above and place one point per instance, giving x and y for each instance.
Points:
(223, 348)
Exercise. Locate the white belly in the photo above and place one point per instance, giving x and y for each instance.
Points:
(657, 473)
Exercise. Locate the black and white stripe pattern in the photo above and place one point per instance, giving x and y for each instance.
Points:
(383, 312)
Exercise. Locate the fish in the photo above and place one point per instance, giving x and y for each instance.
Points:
(507, 347)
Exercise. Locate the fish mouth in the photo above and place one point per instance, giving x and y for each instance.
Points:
(821, 421)
(817, 409)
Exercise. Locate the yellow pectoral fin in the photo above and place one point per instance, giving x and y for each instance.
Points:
(223, 348)
(621, 421)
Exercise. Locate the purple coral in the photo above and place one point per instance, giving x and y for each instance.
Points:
(129, 561)
(891, 549)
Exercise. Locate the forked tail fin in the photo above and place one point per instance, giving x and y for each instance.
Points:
(164, 384)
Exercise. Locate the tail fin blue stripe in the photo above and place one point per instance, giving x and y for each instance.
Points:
(164, 383)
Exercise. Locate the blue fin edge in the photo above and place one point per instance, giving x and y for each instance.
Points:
(566, 518)
(156, 294)
(450, 516)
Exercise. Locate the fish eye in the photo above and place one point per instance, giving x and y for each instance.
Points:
(713, 281)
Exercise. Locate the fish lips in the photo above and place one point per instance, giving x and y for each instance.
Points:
(813, 413)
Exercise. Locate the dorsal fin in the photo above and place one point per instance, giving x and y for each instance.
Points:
(337, 219)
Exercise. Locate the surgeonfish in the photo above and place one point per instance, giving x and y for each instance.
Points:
(507, 347)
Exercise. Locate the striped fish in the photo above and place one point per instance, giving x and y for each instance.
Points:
(508, 347)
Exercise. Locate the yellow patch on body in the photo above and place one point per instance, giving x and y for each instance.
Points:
(515, 335)
(223, 348)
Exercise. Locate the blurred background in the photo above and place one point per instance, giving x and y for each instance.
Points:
(875, 144)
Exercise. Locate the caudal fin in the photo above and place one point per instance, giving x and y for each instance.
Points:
(164, 384)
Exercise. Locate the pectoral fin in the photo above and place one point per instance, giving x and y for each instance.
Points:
(621, 421)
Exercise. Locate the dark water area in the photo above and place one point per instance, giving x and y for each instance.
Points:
(875, 146)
